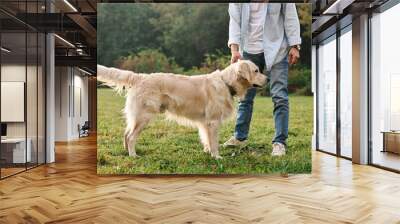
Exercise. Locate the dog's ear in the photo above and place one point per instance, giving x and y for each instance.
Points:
(243, 70)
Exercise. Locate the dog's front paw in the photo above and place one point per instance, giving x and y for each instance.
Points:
(134, 155)
(206, 149)
(217, 156)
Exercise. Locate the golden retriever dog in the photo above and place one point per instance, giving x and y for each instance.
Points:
(202, 101)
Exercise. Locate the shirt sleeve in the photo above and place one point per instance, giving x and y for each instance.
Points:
(234, 23)
(291, 24)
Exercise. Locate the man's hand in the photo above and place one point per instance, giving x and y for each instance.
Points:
(294, 55)
(235, 53)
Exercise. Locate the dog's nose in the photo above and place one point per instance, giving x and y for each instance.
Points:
(264, 80)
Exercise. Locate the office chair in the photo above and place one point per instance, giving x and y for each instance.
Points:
(84, 130)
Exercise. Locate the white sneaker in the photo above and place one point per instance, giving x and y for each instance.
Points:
(278, 149)
(233, 142)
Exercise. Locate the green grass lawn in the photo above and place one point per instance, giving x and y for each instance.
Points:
(167, 148)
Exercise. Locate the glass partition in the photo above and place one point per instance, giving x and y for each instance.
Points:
(385, 89)
(13, 95)
(327, 95)
(346, 93)
(22, 101)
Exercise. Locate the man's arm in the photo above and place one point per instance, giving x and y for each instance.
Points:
(234, 30)
(292, 31)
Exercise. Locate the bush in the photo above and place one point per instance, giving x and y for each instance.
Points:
(264, 91)
(211, 63)
(148, 61)
(300, 80)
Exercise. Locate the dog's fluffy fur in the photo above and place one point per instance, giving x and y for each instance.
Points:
(203, 101)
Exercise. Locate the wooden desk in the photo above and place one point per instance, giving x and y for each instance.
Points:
(13, 150)
(391, 141)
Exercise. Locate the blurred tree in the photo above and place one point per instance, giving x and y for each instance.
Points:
(190, 31)
(124, 29)
(184, 32)
(304, 12)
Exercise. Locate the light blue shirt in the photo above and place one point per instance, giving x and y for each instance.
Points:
(281, 29)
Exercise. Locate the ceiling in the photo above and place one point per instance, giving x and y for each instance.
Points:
(74, 22)
(330, 15)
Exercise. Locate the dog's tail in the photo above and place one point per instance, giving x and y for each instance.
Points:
(117, 78)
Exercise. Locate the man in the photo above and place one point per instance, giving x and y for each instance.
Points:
(269, 35)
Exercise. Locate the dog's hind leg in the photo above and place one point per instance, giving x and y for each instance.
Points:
(203, 133)
(126, 136)
(132, 134)
(128, 142)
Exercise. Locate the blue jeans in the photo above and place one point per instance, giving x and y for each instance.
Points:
(278, 82)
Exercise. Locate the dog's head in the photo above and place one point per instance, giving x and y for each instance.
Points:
(249, 73)
(245, 75)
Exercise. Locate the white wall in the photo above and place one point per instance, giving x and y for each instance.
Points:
(12, 73)
(62, 81)
(33, 126)
(16, 73)
(71, 94)
(80, 94)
